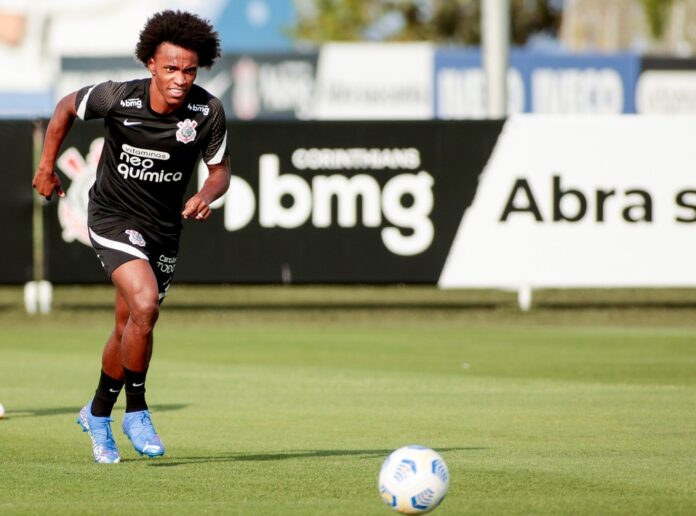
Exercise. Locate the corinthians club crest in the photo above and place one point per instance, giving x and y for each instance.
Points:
(135, 238)
(187, 131)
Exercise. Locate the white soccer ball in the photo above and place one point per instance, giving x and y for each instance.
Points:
(413, 480)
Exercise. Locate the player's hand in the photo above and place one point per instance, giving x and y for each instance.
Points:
(45, 183)
(197, 208)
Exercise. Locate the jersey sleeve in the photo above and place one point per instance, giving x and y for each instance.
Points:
(215, 150)
(96, 101)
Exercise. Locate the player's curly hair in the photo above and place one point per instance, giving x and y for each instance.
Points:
(182, 29)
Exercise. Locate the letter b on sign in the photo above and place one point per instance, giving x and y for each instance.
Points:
(273, 187)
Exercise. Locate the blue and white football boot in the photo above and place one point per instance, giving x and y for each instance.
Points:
(138, 428)
(99, 430)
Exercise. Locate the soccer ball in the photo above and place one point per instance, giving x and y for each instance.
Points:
(413, 480)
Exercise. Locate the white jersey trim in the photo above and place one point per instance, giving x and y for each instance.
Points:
(215, 160)
(83, 105)
(119, 246)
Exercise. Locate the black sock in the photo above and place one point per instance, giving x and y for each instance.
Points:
(106, 395)
(135, 390)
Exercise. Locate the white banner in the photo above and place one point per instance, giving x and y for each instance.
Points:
(374, 81)
(666, 92)
(597, 201)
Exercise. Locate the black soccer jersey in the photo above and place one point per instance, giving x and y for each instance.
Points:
(148, 158)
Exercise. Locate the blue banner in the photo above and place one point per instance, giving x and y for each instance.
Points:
(537, 83)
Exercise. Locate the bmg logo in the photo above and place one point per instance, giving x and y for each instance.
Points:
(289, 201)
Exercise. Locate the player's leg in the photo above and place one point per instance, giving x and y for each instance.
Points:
(111, 377)
(95, 417)
(137, 285)
(112, 249)
(111, 356)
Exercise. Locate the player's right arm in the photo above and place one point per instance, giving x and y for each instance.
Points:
(45, 179)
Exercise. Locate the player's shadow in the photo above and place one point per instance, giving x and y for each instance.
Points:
(282, 455)
(61, 411)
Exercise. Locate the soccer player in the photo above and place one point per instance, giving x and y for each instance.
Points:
(155, 130)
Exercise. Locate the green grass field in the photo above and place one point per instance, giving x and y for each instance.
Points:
(285, 401)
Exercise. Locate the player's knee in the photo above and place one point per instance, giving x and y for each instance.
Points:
(144, 309)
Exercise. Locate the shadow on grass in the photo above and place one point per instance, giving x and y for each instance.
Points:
(624, 305)
(394, 306)
(61, 411)
(282, 455)
(293, 307)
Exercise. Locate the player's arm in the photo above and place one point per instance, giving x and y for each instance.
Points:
(45, 179)
(198, 206)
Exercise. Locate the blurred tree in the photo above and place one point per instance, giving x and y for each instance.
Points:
(332, 20)
(440, 21)
(657, 12)
(530, 17)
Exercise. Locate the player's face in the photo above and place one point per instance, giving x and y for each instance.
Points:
(173, 71)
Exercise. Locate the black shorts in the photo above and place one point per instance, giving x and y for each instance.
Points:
(119, 241)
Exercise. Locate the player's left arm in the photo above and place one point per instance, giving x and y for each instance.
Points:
(198, 206)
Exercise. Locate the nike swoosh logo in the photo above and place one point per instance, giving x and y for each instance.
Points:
(126, 122)
(114, 390)
(138, 384)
